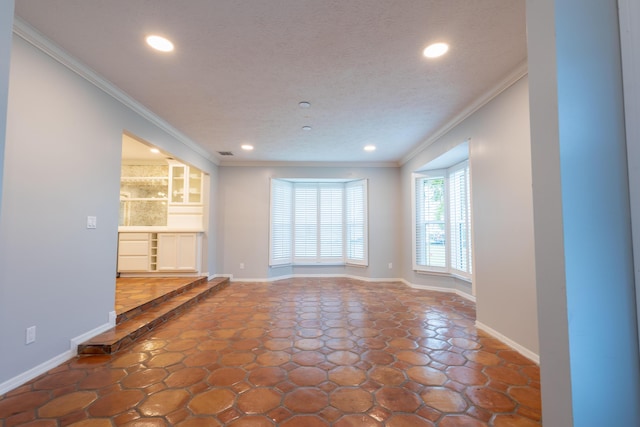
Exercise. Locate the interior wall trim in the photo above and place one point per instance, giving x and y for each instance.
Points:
(534, 357)
(39, 41)
(519, 72)
(55, 361)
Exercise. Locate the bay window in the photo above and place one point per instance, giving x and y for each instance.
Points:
(318, 222)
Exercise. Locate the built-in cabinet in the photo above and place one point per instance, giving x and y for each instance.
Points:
(159, 252)
(177, 252)
(134, 252)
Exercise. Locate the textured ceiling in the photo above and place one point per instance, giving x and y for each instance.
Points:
(241, 67)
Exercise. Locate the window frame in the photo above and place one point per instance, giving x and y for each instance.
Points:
(421, 176)
(446, 174)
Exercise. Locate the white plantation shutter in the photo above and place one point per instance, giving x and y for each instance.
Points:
(469, 235)
(430, 225)
(331, 221)
(357, 222)
(281, 220)
(305, 230)
(459, 208)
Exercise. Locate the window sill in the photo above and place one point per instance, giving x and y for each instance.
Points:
(318, 264)
(444, 274)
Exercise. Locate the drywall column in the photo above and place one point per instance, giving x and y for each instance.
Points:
(629, 13)
(6, 29)
(584, 269)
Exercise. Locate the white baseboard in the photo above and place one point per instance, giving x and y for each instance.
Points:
(55, 361)
(349, 276)
(32, 373)
(112, 318)
(517, 347)
(302, 276)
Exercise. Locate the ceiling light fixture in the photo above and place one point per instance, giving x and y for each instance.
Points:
(154, 150)
(247, 147)
(304, 104)
(369, 148)
(159, 43)
(435, 50)
(307, 128)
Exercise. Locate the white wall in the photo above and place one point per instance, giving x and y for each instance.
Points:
(586, 301)
(62, 163)
(6, 23)
(243, 228)
(500, 161)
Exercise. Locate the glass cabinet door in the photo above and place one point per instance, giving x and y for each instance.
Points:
(178, 177)
(195, 185)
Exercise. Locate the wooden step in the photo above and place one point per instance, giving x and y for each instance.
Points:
(138, 321)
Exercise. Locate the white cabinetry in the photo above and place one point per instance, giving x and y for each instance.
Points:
(186, 184)
(185, 208)
(177, 252)
(159, 252)
(134, 252)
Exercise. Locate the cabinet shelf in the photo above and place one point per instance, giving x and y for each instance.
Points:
(144, 199)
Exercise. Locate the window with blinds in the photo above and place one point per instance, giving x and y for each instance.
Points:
(280, 225)
(356, 222)
(430, 226)
(459, 208)
(318, 222)
(442, 221)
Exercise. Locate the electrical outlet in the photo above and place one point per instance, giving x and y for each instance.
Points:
(242, 266)
(31, 335)
(92, 222)
(390, 265)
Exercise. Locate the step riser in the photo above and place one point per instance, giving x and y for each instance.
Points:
(96, 348)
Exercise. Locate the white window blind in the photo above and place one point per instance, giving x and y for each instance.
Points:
(460, 228)
(281, 220)
(430, 224)
(331, 242)
(305, 230)
(318, 222)
(357, 222)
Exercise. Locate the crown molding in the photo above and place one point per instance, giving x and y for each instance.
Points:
(310, 164)
(519, 72)
(39, 41)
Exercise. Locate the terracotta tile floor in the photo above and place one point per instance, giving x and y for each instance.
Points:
(303, 352)
(132, 292)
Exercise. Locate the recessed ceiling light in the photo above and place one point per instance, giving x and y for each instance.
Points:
(304, 104)
(369, 148)
(435, 50)
(154, 150)
(247, 147)
(307, 128)
(160, 43)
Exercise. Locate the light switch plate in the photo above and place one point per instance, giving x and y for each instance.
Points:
(31, 335)
(92, 222)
